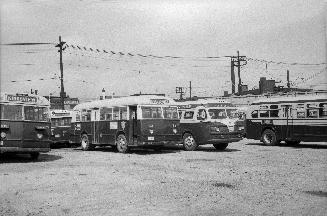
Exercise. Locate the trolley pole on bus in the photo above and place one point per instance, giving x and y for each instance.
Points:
(62, 90)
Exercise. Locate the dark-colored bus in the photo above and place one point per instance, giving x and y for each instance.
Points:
(25, 124)
(60, 127)
(290, 119)
(211, 125)
(135, 121)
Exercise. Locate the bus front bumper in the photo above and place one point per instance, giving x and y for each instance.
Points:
(225, 138)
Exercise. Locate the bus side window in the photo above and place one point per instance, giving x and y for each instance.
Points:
(312, 112)
(264, 113)
(78, 116)
(254, 114)
(115, 113)
(105, 113)
(274, 110)
(286, 111)
(300, 111)
(123, 113)
(323, 110)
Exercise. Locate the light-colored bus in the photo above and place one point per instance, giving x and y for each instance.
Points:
(25, 124)
(60, 127)
(211, 124)
(134, 121)
(289, 119)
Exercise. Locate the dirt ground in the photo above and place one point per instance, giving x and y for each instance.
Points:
(245, 179)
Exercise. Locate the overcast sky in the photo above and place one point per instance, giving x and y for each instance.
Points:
(288, 31)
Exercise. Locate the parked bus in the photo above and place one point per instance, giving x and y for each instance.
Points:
(25, 124)
(289, 119)
(211, 125)
(60, 127)
(146, 121)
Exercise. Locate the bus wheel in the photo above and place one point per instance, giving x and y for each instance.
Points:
(35, 155)
(189, 142)
(85, 143)
(292, 142)
(269, 138)
(122, 144)
(220, 146)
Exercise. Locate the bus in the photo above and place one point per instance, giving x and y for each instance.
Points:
(134, 121)
(217, 125)
(289, 119)
(60, 127)
(25, 124)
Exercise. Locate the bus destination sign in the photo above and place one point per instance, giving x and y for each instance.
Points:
(22, 98)
(159, 101)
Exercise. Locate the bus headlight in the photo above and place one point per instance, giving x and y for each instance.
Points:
(3, 135)
(39, 135)
(214, 129)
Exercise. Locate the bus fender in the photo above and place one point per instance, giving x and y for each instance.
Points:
(119, 133)
(186, 131)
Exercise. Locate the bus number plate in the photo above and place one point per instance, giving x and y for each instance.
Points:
(150, 138)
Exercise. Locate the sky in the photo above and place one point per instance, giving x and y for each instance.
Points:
(292, 32)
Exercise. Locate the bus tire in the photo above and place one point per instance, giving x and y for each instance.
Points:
(189, 143)
(269, 138)
(220, 146)
(85, 143)
(35, 155)
(292, 142)
(122, 144)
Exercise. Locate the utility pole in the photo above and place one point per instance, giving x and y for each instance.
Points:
(236, 61)
(180, 90)
(232, 75)
(288, 79)
(190, 90)
(62, 90)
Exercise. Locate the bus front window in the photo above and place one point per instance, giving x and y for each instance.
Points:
(151, 112)
(217, 113)
(36, 113)
(232, 113)
(11, 112)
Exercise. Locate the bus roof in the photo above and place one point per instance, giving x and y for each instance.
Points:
(211, 102)
(292, 99)
(28, 99)
(125, 101)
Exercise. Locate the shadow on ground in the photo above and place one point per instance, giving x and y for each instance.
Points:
(138, 150)
(26, 158)
(299, 146)
(163, 150)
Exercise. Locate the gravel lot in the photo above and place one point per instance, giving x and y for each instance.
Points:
(245, 179)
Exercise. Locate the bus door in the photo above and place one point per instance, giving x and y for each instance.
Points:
(95, 119)
(132, 124)
(288, 126)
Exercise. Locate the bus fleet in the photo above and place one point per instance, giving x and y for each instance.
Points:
(149, 121)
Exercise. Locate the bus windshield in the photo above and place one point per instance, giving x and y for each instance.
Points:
(11, 112)
(232, 113)
(217, 113)
(36, 113)
(151, 112)
(170, 112)
(61, 121)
